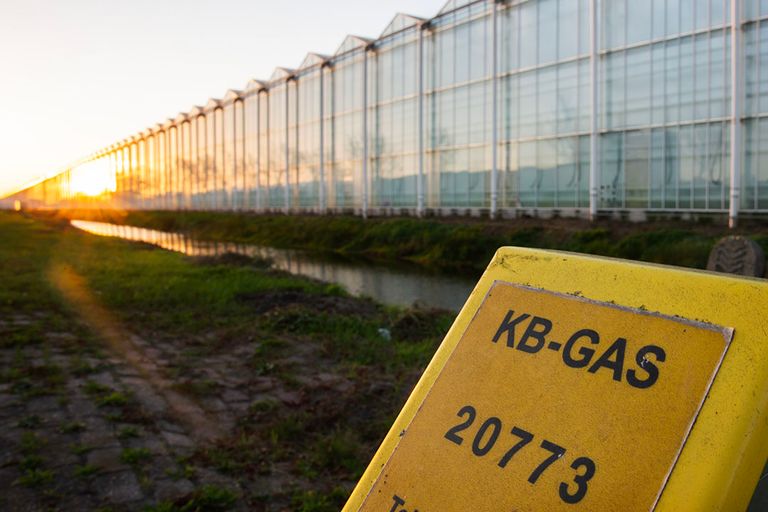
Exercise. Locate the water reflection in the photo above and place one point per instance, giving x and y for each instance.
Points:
(390, 286)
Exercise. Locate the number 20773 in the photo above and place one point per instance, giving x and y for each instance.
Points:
(487, 436)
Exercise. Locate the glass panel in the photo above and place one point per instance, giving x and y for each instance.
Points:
(702, 171)
(611, 170)
(568, 181)
(547, 28)
(528, 34)
(687, 149)
(637, 168)
(671, 167)
(568, 30)
(657, 169)
(547, 173)
(528, 190)
(639, 24)
(638, 87)
(614, 23)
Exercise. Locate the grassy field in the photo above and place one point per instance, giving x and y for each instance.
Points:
(302, 379)
(457, 244)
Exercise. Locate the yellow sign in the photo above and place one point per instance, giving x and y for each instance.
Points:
(573, 382)
(551, 401)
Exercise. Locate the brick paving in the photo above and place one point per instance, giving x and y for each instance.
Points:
(87, 431)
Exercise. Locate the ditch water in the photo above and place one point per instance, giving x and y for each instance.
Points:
(400, 285)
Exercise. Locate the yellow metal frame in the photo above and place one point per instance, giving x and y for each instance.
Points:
(726, 450)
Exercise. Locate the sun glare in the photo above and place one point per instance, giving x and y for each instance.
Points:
(92, 178)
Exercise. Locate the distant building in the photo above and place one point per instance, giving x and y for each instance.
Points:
(486, 108)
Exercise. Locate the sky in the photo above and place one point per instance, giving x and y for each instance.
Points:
(78, 75)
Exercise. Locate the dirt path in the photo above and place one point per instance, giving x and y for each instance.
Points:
(158, 394)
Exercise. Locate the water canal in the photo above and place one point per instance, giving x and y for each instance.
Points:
(401, 286)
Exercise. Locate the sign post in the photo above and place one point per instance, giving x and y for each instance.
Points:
(570, 382)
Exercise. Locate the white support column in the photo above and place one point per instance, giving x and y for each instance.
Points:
(296, 140)
(214, 160)
(495, 114)
(287, 192)
(736, 91)
(594, 109)
(180, 167)
(258, 151)
(234, 204)
(365, 133)
(420, 78)
(321, 187)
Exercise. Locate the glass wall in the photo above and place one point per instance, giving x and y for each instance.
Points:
(345, 164)
(459, 109)
(212, 168)
(755, 178)
(251, 149)
(229, 182)
(394, 139)
(666, 101)
(344, 133)
(264, 158)
(277, 154)
(306, 184)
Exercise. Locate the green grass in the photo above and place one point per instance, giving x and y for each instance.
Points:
(31, 442)
(36, 477)
(313, 501)
(135, 456)
(80, 449)
(94, 388)
(31, 422)
(209, 498)
(86, 471)
(114, 398)
(128, 432)
(72, 427)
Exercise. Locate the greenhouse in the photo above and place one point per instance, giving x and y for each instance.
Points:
(497, 108)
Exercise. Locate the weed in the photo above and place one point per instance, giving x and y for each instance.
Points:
(209, 498)
(199, 388)
(263, 406)
(94, 388)
(80, 368)
(115, 416)
(31, 442)
(183, 471)
(32, 421)
(35, 477)
(72, 427)
(338, 451)
(80, 449)
(269, 346)
(135, 456)
(86, 470)
(30, 462)
(115, 398)
(263, 368)
(128, 432)
(313, 501)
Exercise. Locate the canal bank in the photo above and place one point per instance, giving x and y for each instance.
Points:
(456, 245)
(402, 285)
(297, 374)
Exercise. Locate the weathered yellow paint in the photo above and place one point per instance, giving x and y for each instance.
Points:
(721, 457)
